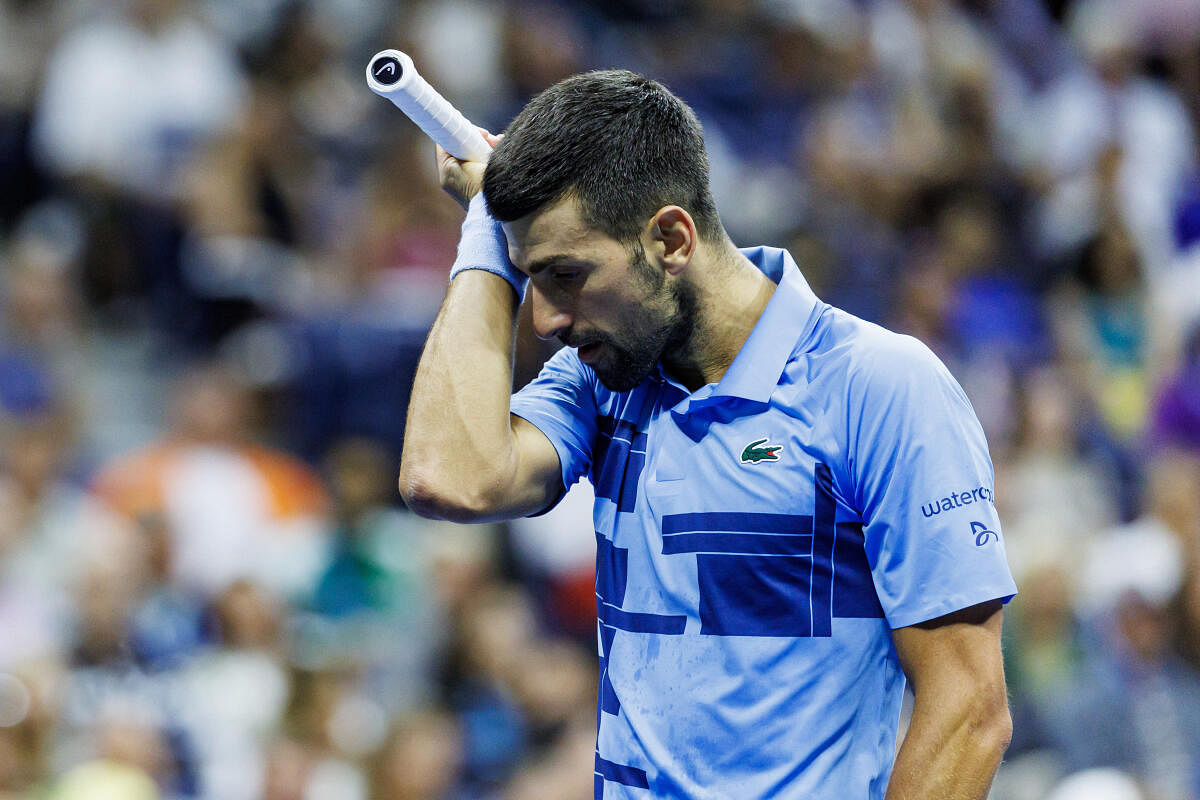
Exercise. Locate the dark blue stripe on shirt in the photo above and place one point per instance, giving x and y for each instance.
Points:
(762, 544)
(824, 541)
(854, 594)
(638, 622)
(736, 522)
(622, 773)
(619, 455)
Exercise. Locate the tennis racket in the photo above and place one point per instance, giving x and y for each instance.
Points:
(391, 74)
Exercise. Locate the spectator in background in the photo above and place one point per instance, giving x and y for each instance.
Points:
(131, 756)
(1175, 416)
(376, 590)
(378, 560)
(117, 711)
(234, 509)
(1102, 327)
(421, 760)
(494, 630)
(1054, 500)
(40, 320)
(1099, 317)
(126, 99)
(1098, 784)
(1174, 482)
(51, 533)
(1102, 105)
(17, 771)
(237, 256)
(30, 701)
(964, 296)
(1139, 701)
(1044, 661)
(327, 728)
(233, 694)
(556, 557)
(28, 31)
(175, 191)
(287, 770)
(562, 772)
(1139, 704)
(1186, 613)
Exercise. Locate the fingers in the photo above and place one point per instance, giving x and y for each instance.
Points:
(462, 179)
(444, 159)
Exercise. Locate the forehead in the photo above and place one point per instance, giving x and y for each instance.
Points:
(558, 230)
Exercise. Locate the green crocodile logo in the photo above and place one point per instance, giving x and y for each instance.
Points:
(755, 452)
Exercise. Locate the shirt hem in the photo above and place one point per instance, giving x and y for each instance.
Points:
(950, 605)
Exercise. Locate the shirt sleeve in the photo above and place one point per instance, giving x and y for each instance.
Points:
(923, 482)
(561, 403)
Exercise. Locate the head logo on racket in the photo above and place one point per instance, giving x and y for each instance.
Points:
(758, 451)
(387, 70)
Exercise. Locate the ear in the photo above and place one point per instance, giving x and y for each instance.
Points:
(673, 238)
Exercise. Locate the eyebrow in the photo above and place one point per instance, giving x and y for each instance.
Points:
(548, 261)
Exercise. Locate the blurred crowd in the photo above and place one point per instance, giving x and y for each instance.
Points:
(219, 256)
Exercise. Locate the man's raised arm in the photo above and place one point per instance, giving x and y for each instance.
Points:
(466, 458)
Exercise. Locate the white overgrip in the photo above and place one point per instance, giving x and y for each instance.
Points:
(413, 95)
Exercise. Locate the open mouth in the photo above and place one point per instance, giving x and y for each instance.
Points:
(587, 352)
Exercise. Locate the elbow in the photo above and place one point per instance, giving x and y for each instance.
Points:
(419, 496)
(449, 500)
(993, 726)
(1002, 733)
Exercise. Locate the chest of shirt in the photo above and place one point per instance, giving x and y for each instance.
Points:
(726, 456)
(730, 516)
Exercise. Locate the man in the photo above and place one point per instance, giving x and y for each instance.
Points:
(794, 507)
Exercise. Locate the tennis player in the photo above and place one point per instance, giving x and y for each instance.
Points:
(794, 507)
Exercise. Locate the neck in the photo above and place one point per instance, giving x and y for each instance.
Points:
(729, 294)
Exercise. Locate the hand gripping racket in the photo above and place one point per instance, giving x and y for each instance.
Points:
(391, 74)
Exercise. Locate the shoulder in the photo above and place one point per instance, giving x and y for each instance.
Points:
(562, 368)
(889, 386)
(567, 359)
(873, 357)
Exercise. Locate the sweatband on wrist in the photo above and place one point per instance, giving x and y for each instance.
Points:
(483, 246)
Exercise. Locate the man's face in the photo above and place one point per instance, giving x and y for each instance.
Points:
(590, 291)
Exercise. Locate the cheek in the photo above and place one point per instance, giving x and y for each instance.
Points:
(631, 318)
(625, 308)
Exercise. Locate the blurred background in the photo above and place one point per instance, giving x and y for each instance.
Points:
(219, 256)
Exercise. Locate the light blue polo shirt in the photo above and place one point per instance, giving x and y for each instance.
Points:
(758, 539)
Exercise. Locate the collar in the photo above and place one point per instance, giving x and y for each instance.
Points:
(788, 318)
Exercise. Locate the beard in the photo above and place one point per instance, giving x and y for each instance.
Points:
(663, 324)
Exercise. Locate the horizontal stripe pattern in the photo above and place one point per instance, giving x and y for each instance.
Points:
(621, 773)
(754, 544)
(640, 622)
(738, 533)
(736, 522)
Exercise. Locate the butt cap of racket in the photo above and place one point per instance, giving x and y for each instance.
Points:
(391, 74)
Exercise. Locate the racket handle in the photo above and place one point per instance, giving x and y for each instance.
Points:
(391, 74)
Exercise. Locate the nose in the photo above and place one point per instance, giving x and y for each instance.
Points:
(549, 320)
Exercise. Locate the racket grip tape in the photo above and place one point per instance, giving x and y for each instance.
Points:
(391, 74)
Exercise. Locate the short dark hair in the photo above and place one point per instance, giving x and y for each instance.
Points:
(622, 143)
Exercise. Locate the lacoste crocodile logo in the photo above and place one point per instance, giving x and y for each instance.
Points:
(756, 452)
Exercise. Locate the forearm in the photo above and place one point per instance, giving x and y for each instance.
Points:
(458, 442)
(952, 749)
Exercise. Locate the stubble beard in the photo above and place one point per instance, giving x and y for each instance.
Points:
(663, 325)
